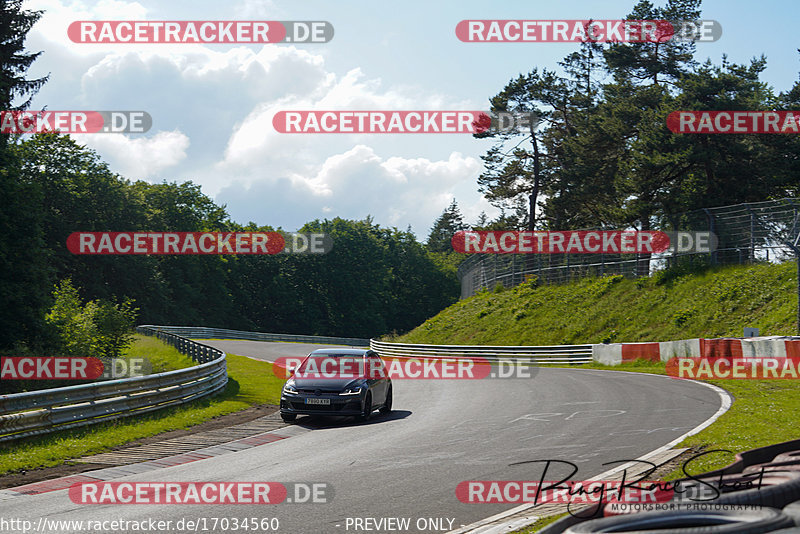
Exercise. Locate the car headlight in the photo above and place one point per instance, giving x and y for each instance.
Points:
(352, 391)
(288, 387)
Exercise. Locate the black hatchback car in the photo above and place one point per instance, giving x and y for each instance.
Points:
(342, 382)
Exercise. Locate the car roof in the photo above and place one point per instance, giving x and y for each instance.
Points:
(343, 352)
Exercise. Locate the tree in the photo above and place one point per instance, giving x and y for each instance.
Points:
(448, 223)
(785, 149)
(98, 328)
(78, 193)
(186, 292)
(517, 175)
(513, 174)
(423, 282)
(24, 273)
(24, 277)
(115, 322)
(15, 23)
(658, 62)
(482, 221)
(716, 170)
(73, 321)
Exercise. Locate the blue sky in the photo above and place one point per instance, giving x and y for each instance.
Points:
(212, 104)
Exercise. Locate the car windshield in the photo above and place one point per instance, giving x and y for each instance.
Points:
(332, 366)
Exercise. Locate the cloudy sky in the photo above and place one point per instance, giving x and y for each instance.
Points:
(212, 105)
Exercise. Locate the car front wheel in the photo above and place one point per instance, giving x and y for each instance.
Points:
(288, 417)
(387, 406)
(367, 408)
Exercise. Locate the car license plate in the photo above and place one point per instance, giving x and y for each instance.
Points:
(318, 401)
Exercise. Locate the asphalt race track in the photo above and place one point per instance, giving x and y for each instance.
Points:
(407, 464)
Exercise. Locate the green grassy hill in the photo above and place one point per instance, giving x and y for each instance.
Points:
(673, 304)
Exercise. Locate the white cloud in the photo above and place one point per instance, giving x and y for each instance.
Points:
(212, 109)
(255, 145)
(58, 15)
(140, 157)
(356, 183)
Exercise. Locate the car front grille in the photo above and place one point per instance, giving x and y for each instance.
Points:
(333, 407)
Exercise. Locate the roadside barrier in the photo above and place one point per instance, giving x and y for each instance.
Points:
(202, 332)
(39, 412)
(554, 354)
(753, 347)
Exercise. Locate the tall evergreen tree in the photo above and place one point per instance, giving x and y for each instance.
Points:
(448, 223)
(24, 280)
(517, 172)
(654, 63)
(15, 23)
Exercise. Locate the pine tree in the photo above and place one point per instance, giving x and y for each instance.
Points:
(14, 62)
(24, 281)
(448, 223)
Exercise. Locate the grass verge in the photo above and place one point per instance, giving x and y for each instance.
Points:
(161, 356)
(672, 304)
(250, 382)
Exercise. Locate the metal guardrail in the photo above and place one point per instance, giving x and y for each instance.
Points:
(39, 412)
(554, 354)
(202, 332)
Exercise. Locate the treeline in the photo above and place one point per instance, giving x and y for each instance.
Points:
(602, 155)
(375, 279)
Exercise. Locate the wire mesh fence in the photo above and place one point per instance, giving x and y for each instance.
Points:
(747, 233)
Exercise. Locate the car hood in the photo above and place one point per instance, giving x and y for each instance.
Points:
(326, 384)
